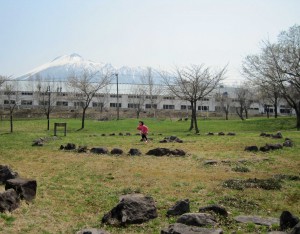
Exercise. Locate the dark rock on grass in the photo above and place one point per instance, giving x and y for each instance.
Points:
(178, 152)
(231, 134)
(268, 221)
(267, 184)
(217, 209)
(6, 173)
(121, 134)
(68, 146)
(82, 149)
(197, 219)
(221, 134)
(134, 152)
(269, 147)
(99, 150)
(180, 207)
(116, 151)
(9, 200)
(92, 231)
(38, 142)
(128, 134)
(165, 151)
(171, 139)
(210, 134)
(288, 143)
(288, 220)
(132, 209)
(25, 188)
(179, 228)
(278, 135)
(252, 148)
(296, 229)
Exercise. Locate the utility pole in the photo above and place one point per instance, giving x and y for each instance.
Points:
(117, 76)
(48, 111)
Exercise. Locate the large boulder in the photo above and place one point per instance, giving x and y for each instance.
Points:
(296, 229)
(179, 228)
(99, 150)
(6, 173)
(9, 200)
(159, 152)
(197, 219)
(132, 209)
(171, 139)
(288, 220)
(216, 209)
(180, 207)
(25, 188)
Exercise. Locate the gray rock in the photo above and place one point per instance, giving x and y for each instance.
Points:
(210, 162)
(132, 209)
(180, 207)
(92, 231)
(257, 220)
(25, 188)
(9, 200)
(179, 228)
(197, 219)
(6, 173)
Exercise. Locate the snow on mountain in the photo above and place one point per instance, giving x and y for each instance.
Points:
(61, 68)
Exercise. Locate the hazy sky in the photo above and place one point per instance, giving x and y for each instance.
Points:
(157, 33)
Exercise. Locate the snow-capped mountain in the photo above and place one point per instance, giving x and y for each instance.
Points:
(61, 68)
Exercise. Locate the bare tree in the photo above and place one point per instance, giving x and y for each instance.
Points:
(153, 91)
(192, 83)
(225, 103)
(86, 85)
(279, 63)
(11, 101)
(3, 79)
(137, 98)
(243, 100)
(47, 97)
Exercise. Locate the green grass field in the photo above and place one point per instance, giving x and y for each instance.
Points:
(76, 190)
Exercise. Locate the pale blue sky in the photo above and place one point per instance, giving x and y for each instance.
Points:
(157, 33)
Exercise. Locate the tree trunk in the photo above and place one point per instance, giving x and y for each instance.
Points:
(83, 118)
(276, 107)
(240, 113)
(298, 116)
(48, 121)
(11, 123)
(192, 121)
(195, 119)
(226, 114)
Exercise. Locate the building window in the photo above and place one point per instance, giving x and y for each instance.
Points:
(115, 96)
(97, 104)
(184, 107)
(204, 99)
(133, 105)
(169, 98)
(168, 107)
(9, 93)
(79, 104)
(148, 106)
(99, 95)
(134, 96)
(6, 102)
(203, 108)
(151, 97)
(112, 104)
(26, 102)
(62, 103)
(27, 93)
(43, 103)
(62, 94)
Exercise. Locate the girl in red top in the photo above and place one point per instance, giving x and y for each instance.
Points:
(144, 131)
